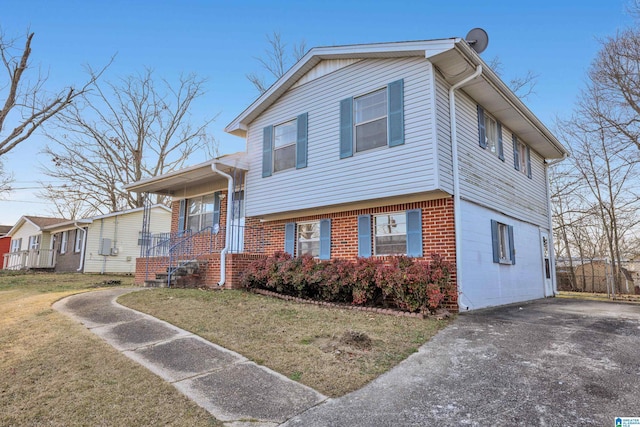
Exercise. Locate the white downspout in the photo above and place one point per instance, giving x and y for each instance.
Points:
(457, 217)
(552, 252)
(84, 245)
(227, 237)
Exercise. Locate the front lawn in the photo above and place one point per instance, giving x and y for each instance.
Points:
(55, 372)
(332, 350)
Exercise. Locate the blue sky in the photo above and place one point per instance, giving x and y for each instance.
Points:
(219, 40)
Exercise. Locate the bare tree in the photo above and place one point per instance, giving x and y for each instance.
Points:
(123, 132)
(522, 86)
(66, 202)
(5, 180)
(276, 61)
(27, 105)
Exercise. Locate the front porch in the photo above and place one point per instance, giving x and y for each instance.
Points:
(30, 259)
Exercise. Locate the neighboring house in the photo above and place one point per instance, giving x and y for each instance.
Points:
(100, 244)
(105, 243)
(5, 241)
(387, 149)
(30, 244)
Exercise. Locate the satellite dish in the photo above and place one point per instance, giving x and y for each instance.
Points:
(477, 39)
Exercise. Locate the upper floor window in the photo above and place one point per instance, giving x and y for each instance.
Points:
(371, 120)
(284, 145)
(490, 133)
(521, 156)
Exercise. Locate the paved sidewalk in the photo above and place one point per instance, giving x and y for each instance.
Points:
(233, 389)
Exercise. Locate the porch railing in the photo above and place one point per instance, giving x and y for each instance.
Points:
(32, 258)
(182, 247)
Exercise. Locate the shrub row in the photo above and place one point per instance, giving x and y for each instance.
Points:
(399, 282)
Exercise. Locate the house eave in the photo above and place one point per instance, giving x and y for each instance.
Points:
(172, 183)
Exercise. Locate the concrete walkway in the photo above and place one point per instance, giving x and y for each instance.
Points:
(233, 389)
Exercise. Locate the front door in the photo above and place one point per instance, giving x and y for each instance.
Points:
(546, 264)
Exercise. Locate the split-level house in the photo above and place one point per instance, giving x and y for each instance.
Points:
(379, 150)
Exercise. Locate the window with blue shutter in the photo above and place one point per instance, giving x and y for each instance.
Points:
(414, 233)
(395, 106)
(364, 236)
(301, 141)
(267, 151)
(181, 214)
(482, 137)
(289, 237)
(528, 162)
(325, 239)
(502, 243)
(346, 128)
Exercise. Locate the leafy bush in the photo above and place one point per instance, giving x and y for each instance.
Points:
(402, 282)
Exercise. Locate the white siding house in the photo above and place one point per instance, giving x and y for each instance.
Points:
(389, 149)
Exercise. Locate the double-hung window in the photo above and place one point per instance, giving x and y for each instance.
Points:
(34, 242)
(390, 237)
(371, 120)
(521, 156)
(490, 133)
(63, 243)
(200, 212)
(308, 238)
(16, 244)
(503, 244)
(284, 145)
(78, 241)
(394, 233)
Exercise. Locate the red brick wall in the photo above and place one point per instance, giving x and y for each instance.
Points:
(150, 266)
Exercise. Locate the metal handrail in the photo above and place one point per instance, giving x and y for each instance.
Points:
(185, 249)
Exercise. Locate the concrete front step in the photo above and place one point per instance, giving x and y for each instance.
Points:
(155, 283)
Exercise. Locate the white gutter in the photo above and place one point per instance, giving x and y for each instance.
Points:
(84, 245)
(227, 237)
(457, 217)
(552, 254)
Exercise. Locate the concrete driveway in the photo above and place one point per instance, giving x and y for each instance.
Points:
(554, 362)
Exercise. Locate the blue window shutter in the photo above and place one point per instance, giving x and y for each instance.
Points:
(528, 162)
(414, 233)
(516, 153)
(500, 148)
(267, 151)
(325, 239)
(216, 208)
(181, 214)
(482, 134)
(494, 241)
(395, 113)
(346, 128)
(364, 236)
(301, 142)
(511, 245)
(289, 237)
